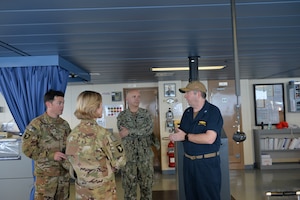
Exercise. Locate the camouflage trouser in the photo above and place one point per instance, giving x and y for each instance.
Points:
(138, 173)
(52, 188)
(105, 191)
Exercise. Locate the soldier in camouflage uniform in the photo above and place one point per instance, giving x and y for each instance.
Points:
(136, 130)
(94, 153)
(44, 141)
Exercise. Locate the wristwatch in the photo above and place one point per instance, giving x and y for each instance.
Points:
(186, 137)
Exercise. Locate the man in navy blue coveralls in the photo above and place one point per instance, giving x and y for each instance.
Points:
(200, 131)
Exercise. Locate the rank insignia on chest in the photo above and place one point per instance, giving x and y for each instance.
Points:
(203, 123)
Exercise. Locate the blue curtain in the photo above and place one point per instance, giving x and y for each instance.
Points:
(24, 87)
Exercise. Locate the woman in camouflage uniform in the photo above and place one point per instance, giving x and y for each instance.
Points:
(94, 153)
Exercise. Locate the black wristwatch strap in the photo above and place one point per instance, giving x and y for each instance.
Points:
(186, 137)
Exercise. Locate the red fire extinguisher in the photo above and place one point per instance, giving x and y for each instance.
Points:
(171, 154)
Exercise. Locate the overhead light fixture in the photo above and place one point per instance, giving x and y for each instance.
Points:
(160, 69)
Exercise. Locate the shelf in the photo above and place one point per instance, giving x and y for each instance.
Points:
(281, 158)
(286, 160)
(281, 166)
(277, 131)
(281, 150)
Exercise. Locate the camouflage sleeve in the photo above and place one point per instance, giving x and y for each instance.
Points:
(119, 120)
(69, 128)
(122, 120)
(155, 142)
(144, 127)
(30, 145)
(114, 151)
(141, 126)
(65, 163)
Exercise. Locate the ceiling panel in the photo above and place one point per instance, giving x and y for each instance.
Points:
(122, 40)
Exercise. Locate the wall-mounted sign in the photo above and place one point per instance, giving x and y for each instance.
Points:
(113, 110)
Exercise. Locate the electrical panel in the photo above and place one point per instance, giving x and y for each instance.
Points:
(293, 89)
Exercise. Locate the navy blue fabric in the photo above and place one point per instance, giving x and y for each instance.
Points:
(23, 89)
(205, 120)
(202, 177)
